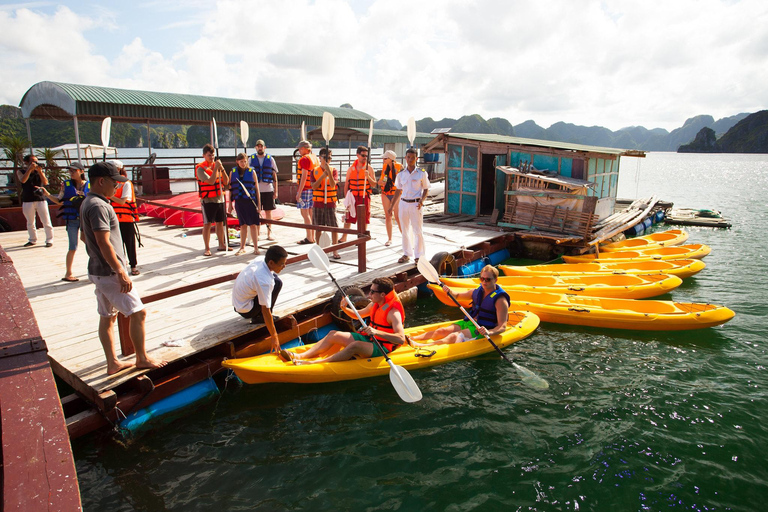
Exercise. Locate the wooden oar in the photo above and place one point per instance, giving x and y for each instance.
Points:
(526, 375)
(401, 380)
(106, 127)
(329, 126)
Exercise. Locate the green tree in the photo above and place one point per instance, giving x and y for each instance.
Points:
(55, 174)
(14, 148)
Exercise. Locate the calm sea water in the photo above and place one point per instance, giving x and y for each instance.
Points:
(631, 421)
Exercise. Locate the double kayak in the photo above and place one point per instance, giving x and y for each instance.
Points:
(271, 368)
(680, 252)
(608, 285)
(668, 238)
(646, 315)
(679, 268)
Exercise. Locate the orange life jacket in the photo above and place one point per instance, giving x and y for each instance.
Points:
(125, 212)
(325, 193)
(206, 189)
(358, 183)
(379, 315)
(388, 174)
(315, 162)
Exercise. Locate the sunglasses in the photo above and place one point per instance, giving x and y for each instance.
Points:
(372, 291)
(486, 279)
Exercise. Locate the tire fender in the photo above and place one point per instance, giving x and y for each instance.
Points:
(445, 264)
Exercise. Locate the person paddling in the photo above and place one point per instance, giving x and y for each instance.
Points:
(490, 309)
(386, 325)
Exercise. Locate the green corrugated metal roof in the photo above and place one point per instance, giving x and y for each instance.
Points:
(394, 136)
(94, 103)
(504, 139)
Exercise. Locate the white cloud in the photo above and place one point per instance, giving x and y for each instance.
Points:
(650, 63)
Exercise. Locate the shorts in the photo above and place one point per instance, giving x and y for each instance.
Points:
(73, 233)
(367, 339)
(267, 201)
(325, 215)
(246, 212)
(109, 299)
(214, 212)
(468, 325)
(305, 203)
(351, 216)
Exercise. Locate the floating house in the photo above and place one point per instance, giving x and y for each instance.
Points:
(484, 171)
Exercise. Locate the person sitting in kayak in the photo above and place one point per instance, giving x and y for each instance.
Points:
(490, 309)
(386, 325)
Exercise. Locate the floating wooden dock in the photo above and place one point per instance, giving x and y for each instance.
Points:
(202, 322)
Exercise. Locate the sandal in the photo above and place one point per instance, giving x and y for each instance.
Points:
(240, 252)
(257, 252)
(285, 355)
(304, 242)
(336, 256)
(207, 252)
(389, 242)
(69, 279)
(403, 259)
(135, 271)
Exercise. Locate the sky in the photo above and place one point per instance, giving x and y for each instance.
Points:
(652, 63)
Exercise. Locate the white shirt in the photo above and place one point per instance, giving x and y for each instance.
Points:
(255, 280)
(412, 183)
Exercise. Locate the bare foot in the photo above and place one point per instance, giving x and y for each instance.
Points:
(151, 364)
(117, 367)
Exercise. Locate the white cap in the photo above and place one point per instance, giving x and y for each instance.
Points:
(117, 163)
(389, 154)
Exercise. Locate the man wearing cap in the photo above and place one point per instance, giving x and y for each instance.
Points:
(306, 167)
(387, 185)
(33, 202)
(71, 196)
(107, 269)
(266, 172)
(412, 186)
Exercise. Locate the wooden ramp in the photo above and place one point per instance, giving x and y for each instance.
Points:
(198, 320)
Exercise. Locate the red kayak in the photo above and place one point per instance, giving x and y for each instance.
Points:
(186, 219)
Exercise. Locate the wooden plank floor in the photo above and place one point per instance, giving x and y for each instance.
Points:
(173, 256)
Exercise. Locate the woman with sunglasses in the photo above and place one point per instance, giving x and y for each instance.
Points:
(490, 309)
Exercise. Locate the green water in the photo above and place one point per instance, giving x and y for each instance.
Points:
(631, 421)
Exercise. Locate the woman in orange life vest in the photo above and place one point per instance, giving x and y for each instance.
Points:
(386, 325)
(124, 204)
(387, 185)
(244, 194)
(72, 193)
(360, 179)
(490, 309)
(324, 180)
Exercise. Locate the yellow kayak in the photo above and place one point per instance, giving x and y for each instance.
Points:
(679, 268)
(608, 285)
(270, 368)
(668, 238)
(644, 315)
(680, 252)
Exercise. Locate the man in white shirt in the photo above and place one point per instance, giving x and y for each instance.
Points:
(412, 186)
(256, 290)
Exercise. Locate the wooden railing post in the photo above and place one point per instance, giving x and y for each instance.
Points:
(361, 211)
(124, 332)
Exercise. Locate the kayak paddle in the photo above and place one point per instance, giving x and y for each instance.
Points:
(401, 380)
(329, 126)
(244, 133)
(221, 189)
(526, 375)
(411, 130)
(106, 127)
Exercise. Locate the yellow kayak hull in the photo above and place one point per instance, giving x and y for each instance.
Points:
(668, 238)
(679, 268)
(608, 285)
(680, 252)
(270, 368)
(644, 315)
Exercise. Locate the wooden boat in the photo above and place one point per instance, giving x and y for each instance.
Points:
(680, 252)
(695, 217)
(645, 315)
(668, 238)
(608, 285)
(270, 368)
(679, 268)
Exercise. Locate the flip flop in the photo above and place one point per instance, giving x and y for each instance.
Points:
(207, 252)
(221, 248)
(135, 272)
(70, 280)
(389, 242)
(336, 256)
(304, 242)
